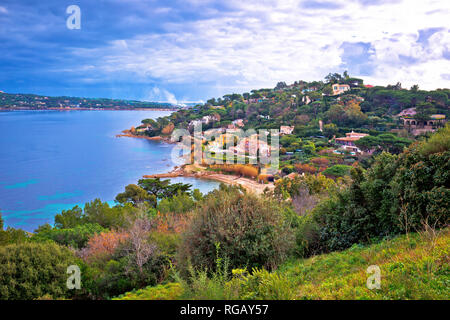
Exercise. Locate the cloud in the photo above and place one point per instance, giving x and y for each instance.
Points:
(160, 95)
(195, 48)
(260, 44)
(3, 10)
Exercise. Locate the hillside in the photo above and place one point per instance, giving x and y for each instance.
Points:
(19, 101)
(412, 267)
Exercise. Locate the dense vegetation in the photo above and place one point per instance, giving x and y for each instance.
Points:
(11, 101)
(163, 240)
(304, 105)
(412, 267)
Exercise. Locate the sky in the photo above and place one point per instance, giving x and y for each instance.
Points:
(192, 50)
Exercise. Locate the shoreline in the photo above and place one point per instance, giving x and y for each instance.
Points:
(198, 172)
(248, 184)
(88, 109)
(126, 133)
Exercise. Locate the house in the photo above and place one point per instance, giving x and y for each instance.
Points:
(311, 89)
(238, 123)
(339, 88)
(204, 120)
(418, 126)
(252, 145)
(348, 142)
(286, 130)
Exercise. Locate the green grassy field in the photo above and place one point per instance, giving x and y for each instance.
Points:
(414, 266)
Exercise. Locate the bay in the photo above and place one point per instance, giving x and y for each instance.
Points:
(54, 160)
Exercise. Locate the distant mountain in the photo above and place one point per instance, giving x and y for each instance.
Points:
(19, 101)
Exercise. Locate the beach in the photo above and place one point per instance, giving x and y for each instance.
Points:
(200, 172)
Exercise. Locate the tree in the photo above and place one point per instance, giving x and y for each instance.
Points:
(69, 218)
(330, 130)
(333, 78)
(163, 189)
(281, 85)
(100, 212)
(354, 115)
(327, 90)
(335, 114)
(415, 88)
(135, 195)
(423, 111)
(139, 248)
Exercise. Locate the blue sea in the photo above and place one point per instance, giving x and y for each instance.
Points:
(54, 160)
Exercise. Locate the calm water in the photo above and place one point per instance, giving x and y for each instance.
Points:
(53, 160)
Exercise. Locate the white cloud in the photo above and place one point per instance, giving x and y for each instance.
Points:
(3, 10)
(259, 43)
(160, 95)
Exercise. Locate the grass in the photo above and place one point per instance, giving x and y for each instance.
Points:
(414, 266)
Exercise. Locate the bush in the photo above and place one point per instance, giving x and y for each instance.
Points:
(32, 270)
(261, 285)
(251, 231)
(76, 237)
(338, 170)
(170, 291)
(11, 235)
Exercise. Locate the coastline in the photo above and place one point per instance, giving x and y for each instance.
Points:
(198, 172)
(128, 134)
(87, 109)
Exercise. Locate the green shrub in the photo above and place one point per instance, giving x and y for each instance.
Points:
(76, 237)
(261, 285)
(338, 170)
(170, 291)
(251, 231)
(11, 236)
(32, 270)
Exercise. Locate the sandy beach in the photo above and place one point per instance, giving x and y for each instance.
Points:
(199, 172)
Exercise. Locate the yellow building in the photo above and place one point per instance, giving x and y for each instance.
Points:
(340, 88)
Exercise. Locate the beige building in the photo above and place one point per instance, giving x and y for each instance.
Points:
(340, 88)
(348, 142)
(417, 126)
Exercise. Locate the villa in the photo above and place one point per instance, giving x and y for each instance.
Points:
(418, 126)
(238, 123)
(348, 142)
(340, 88)
(286, 130)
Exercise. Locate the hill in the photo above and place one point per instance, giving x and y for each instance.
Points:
(414, 266)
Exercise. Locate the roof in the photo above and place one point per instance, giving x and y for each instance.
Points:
(348, 139)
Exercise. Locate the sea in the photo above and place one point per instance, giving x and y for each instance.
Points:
(54, 160)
